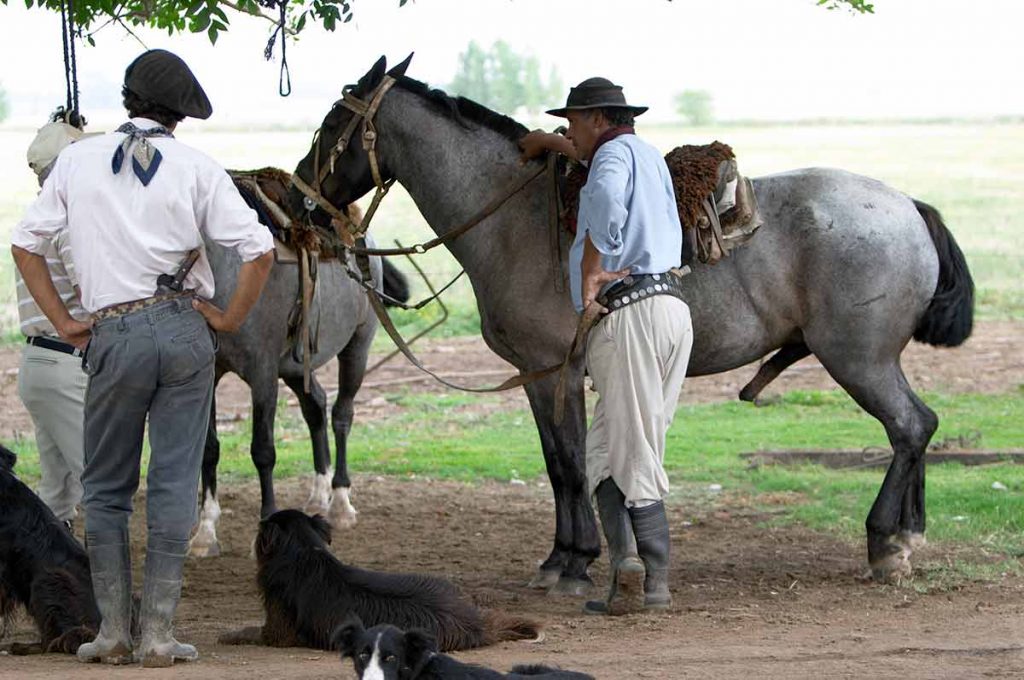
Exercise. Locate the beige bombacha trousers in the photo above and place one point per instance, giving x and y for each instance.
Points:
(637, 357)
(52, 385)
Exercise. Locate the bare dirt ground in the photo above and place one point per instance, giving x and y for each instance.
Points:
(749, 601)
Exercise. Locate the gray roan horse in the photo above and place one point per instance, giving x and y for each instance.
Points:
(260, 353)
(844, 268)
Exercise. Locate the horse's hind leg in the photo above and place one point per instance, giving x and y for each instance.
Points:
(882, 390)
(205, 543)
(770, 370)
(912, 520)
(314, 411)
(351, 369)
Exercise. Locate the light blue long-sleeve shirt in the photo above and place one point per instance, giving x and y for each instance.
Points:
(628, 207)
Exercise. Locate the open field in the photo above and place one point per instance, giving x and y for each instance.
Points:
(971, 172)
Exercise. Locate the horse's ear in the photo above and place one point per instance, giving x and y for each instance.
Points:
(347, 634)
(401, 68)
(374, 75)
(321, 527)
(420, 646)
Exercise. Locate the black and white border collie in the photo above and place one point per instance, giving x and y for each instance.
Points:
(387, 653)
(307, 593)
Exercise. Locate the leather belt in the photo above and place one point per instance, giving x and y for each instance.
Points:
(636, 287)
(55, 345)
(123, 308)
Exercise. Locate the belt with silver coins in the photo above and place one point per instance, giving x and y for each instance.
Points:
(636, 287)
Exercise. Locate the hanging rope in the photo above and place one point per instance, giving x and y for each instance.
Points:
(285, 79)
(71, 114)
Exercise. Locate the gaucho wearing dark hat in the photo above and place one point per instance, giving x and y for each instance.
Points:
(163, 78)
(596, 93)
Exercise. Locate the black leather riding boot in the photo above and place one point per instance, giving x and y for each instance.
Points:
(622, 551)
(111, 569)
(650, 524)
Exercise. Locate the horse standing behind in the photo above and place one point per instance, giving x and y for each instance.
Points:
(260, 353)
(844, 267)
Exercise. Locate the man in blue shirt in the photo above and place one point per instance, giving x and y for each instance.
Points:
(625, 260)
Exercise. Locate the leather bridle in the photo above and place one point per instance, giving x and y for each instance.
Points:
(364, 111)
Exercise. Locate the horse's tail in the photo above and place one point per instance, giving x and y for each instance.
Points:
(949, 318)
(499, 627)
(396, 286)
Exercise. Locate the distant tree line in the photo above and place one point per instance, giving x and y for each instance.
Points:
(505, 80)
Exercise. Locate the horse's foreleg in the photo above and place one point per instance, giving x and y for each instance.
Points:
(351, 369)
(576, 539)
(262, 448)
(314, 412)
(205, 543)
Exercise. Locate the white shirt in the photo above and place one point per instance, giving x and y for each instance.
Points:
(124, 235)
(62, 271)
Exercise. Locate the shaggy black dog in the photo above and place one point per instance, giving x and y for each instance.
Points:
(387, 653)
(307, 592)
(42, 568)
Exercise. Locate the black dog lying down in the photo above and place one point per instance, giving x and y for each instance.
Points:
(386, 653)
(43, 568)
(307, 592)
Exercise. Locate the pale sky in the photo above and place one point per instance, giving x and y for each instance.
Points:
(766, 59)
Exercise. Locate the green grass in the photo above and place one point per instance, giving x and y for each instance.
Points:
(439, 437)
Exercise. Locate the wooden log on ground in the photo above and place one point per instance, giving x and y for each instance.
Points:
(877, 457)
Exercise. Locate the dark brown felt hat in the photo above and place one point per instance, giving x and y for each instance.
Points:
(596, 93)
(163, 78)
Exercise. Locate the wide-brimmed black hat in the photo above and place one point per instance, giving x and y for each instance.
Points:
(596, 93)
(163, 78)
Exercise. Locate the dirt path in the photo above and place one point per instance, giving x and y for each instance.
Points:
(750, 602)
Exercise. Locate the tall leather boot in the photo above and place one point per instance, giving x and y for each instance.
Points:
(161, 591)
(650, 524)
(111, 569)
(626, 567)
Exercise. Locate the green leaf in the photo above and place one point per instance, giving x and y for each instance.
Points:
(200, 22)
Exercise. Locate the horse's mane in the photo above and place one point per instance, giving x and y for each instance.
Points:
(462, 110)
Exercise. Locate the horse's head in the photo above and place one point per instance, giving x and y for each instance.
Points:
(338, 166)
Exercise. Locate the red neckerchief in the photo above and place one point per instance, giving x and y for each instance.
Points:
(610, 134)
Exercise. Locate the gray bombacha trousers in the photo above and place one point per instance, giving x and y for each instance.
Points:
(637, 357)
(157, 361)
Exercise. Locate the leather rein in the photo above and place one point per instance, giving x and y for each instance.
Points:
(365, 111)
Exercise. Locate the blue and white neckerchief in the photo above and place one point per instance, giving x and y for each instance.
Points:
(145, 157)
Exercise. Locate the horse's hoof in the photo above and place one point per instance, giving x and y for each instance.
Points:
(544, 579)
(911, 540)
(340, 520)
(894, 567)
(315, 509)
(342, 514)
(571, 587)
(204, 549)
